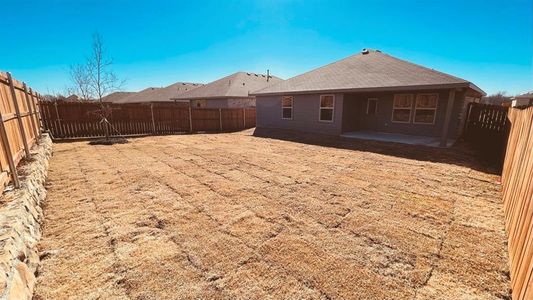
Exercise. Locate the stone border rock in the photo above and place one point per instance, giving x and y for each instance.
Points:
(20, 222)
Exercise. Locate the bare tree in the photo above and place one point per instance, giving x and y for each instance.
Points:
(102, 79)
(79, 75)
(498, 98)
(96, 79)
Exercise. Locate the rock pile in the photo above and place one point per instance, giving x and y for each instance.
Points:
(20, 219)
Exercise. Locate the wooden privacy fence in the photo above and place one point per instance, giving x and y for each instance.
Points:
(20, 126)
(517, 183)
(487, 129)
(81, 119)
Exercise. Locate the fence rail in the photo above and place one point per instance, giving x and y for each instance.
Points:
(20, 126)
(517, 182)
(82, 119)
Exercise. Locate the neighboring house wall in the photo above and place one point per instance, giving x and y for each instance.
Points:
(241, 102)
(305, 114)
(355, 115)
(224, 103)
(210, 103)
(522, 102)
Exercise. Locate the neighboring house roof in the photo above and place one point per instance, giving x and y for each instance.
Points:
(160, 94)
(72, 98)
(237, 85)
(525, 96)
(135, 98)
(116, 96)
(370, 70)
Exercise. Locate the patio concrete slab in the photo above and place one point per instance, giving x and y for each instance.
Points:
(396, 138)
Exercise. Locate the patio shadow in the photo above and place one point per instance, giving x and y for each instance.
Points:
(460, 154)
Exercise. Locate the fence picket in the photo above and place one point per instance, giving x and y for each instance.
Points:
(141, 119)
(22, 130)
(487, 129)
(517, 193)
(17, 133)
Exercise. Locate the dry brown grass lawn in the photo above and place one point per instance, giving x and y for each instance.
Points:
(233, 216)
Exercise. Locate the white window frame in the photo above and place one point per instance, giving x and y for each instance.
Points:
(403, 108)
(368, 106)
(283, 107)
(320, 108)
(434, 109)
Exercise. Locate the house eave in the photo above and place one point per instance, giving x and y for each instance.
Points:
(377, 89)
(212, 98)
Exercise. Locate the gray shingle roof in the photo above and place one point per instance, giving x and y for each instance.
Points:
(114, 97)
(160, 94)
(526, 95)
(367, 71)
(236, 85)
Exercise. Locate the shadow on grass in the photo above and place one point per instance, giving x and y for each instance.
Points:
(108, 142)
(460, 154)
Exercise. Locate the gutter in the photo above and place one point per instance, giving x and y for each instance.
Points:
(377, 89)
(211, 98)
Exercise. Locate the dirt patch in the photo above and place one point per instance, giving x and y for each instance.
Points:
(233, 216)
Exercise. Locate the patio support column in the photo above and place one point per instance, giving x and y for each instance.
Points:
(447, 118)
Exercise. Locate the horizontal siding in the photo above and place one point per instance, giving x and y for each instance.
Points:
(224, 103)
(305, 114)
(350, 114)
(241, 102)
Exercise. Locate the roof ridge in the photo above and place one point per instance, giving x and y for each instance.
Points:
(421, 66)
(234, 85)
(183, 83)
(313, 70)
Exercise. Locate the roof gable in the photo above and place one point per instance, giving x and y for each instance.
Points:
(525, 96)
(160, 94)
(236, 85)
(368, 70)
(116, 96)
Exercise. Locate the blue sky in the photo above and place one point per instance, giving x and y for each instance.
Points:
(156, 43)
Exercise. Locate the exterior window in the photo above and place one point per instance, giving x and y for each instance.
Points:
(401, 108)
(425, 108)
(286, 107)
(199, 103)
(372, 106)
(327, 103)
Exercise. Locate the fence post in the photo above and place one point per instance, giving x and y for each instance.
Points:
(243, 118)
(37, 103)
(32, 117)
(220, 118)
(37, 116)
(467, 119)
(19, 117)
(60, 129)
(190, 115)
(9, 156)
(153, 120)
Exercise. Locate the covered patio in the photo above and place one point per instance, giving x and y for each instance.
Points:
(377, 116)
